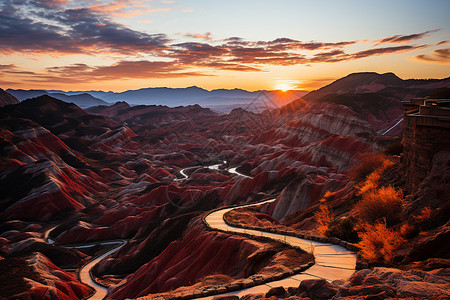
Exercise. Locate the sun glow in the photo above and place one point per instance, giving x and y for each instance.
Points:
(283, 87)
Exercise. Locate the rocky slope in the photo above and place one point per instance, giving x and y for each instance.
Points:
(375, 97)
(114, 172)
(111, 174)
(7, 98)
(36, 277)
(371, 82)
(200, 254)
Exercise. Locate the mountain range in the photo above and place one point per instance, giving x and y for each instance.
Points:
(369, 87)
(221, 100)
(81, 99)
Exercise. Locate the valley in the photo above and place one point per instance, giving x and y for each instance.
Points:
(204, 204)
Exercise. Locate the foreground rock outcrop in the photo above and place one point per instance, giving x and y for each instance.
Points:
(200, 254)
(39, 279)
(394, 283)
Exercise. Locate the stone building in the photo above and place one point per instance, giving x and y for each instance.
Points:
(426, 132)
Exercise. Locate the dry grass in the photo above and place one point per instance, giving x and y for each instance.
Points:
(371, 181)
(424, 216)
(408, 231)
(368, 165)
(370, 184)
(324, 217)
(379, 244)
(328, 195)
(380, 204)
(427, 219)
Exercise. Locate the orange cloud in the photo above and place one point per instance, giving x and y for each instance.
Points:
(439, 56)
(252, 54)
(205, 36)
(79, 73)
(125, 8)
(386, 50)
(406, 38)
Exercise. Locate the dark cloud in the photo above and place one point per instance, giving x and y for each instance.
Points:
(286, 44)
(440, 56)
(82, 73)
(443, 43)
(51, 3)
(406, 38)
(48, 27)
(125, 70)
(385, 50)
(190, 52)
(58, 31)
(23, 34)
(249, 56)
(13, 69)
(330, 56)
(8, 67)
(238, 54)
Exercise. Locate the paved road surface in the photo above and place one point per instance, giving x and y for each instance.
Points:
(332, 261)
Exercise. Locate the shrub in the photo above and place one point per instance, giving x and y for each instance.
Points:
(426, 219)
(370, 184)
(343, 229)
(376, 205)
(408, 231)
(324, 217)
(372, 180)
(328, 195)
(368, 164)
(424, 215)
(379, 244)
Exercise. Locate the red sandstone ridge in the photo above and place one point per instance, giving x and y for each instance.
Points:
(198, 255)
(41, 280)
(303, 191)
(51, 189)
(375, 97)
(7, 98)
(117, 172)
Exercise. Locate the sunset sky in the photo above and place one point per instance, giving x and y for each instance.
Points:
(120, 45)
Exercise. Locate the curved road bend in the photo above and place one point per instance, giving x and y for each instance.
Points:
(233, 170)
(212, 167)
(185, 176)
(333, 262)
(85, 275)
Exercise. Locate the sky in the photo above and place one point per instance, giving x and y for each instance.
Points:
(284, 44)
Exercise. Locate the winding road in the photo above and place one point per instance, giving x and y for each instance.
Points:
(332, 262)
(85, 274)
(85, 271)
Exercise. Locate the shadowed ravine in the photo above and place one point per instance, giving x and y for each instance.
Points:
(332, 262)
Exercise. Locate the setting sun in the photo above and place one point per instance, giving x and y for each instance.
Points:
(283, 87)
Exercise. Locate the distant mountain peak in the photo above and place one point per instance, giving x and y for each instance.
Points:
(7, 99)
(363, 82)
(194, 87)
